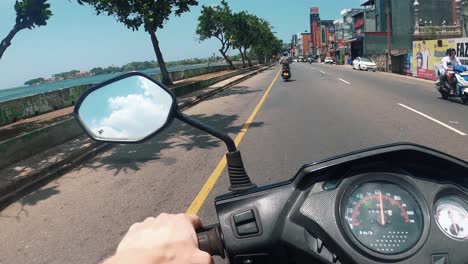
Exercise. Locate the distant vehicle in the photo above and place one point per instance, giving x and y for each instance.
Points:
(295, 60)
(362, 63)
(300, 59)
(286, 73)
(328, 60)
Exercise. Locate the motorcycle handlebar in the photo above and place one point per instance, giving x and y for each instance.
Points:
(210, 240)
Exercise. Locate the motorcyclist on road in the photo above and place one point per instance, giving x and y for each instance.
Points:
(448, 63)
(167, 239)
(285, 61)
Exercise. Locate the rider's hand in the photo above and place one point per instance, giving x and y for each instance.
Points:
(165, 239)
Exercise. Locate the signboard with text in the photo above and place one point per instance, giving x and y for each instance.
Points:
(427, 55)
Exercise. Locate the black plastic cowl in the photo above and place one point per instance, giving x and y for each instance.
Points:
(240, 181)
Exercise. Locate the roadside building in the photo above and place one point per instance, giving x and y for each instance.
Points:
(306, 44)
(345, 34)
(294, 40)
(323, 37)
(364, 31)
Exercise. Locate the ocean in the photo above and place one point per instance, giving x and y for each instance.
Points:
(22, 91)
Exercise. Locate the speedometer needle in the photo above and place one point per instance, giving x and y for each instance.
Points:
(453, 221)
(382, 216)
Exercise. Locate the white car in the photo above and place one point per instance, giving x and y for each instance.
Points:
(362, 63)
(328, 60)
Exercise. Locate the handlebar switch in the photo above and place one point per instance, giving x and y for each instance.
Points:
(210, 240)
(246, 223)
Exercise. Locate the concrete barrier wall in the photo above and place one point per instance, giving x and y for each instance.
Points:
(25, 107)
(21, 147)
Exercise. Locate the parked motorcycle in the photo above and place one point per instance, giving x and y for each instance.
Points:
(399, 203)
(461, 85)
(286, 73)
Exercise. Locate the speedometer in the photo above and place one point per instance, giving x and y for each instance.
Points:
(383, 217)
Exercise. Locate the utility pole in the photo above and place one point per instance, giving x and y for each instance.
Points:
(389, 36)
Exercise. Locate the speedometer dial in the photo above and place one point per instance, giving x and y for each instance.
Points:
(384, 217)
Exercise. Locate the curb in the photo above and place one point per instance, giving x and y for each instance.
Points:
(201, 97)
(399, 75)
(18, 188)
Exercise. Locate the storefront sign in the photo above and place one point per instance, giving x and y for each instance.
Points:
(427, 55)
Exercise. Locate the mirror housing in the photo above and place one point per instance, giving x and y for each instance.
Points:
(127, 109)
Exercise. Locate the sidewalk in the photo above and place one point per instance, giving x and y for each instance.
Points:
(55, 161)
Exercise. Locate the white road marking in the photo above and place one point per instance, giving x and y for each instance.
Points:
(322, 72)
(433, 119)
(313, 68)
(344, 81)
(454, 122)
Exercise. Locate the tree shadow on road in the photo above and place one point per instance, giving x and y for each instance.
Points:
(30, 200)
(236, 90)
(129, 158)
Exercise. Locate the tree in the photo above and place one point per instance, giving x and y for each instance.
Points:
(149, 14)
(35, 81)
(266, 44)
(217, 22)
(244, 33)
(29, 14)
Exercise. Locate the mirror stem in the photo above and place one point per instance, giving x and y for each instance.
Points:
(231, 146)
(238, 177)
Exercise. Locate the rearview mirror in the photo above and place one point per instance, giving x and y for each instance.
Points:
(126, 109)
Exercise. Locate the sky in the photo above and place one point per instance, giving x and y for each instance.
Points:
(75, 38)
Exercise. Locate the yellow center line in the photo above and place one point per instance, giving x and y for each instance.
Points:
(209, 184)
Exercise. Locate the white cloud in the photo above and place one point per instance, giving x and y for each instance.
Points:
(135, 116)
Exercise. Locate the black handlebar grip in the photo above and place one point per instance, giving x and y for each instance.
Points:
(210, 240)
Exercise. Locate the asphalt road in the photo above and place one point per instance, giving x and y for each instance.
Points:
(324, 111)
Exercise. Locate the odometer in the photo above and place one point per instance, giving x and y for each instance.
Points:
(384, 217)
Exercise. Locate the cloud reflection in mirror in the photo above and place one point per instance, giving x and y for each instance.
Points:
(127, 110)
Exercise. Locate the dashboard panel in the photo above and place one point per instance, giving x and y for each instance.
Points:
(392, 204)
(404, 229)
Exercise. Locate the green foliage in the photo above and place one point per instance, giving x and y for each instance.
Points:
(267, 44)
(244, 32)
(65, 75)
(151, 14)
(32, 13)
(217, 22)
(241, 30)
(29, 14)
(35, 81)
